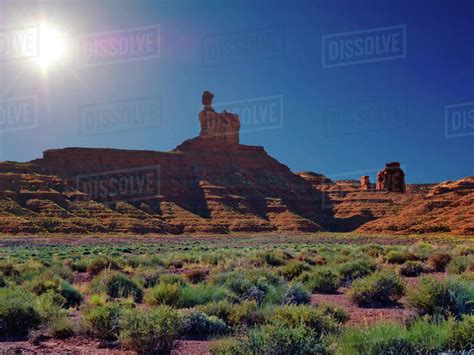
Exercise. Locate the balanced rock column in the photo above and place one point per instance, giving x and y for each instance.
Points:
(221, 127)
(392, 178)
(365, 183)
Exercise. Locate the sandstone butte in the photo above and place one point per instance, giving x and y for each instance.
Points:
(214, 184)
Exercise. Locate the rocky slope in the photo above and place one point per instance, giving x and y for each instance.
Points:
(211, 184)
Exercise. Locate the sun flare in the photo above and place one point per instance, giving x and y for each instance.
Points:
(52, 46)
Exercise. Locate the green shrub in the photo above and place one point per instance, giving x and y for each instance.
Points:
(103, 321)
(200, 294)
(380, 288)
(164, 294)
(320, 281)
(337, 313)
(293, 269)
(102, 263)
(61, 327)
(18, 312)
(278, 338)
(78, 266)
(411, 269)
(3, 282)
(196, 276)
(400, 256)
(116, 285)
(43, 283)
(352, 270)
(460, 337)
(221, 309)
(171, 279)
(443, 298)
(439, 261)
(226, 346)
(305, 315)
(296, 294)
(245, 314)
(461, 264)
(150, 331)
(71, 295)
(200, 325)
(271, 258)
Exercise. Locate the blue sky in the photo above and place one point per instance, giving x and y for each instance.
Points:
(406, 97)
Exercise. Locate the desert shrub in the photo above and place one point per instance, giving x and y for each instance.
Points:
(164, 294)
(304, 315)
(148, 278)
(221, 309)
(245, 314)
(171, 279)
(175, 264)
(49, 305)
(116, 285)
(400, 256)
(42, 283)
(352, 270)
(278, 338)
(3, 281)
(439, 261)
(78, 266)
(271, 258)
(8, 269)
(200, 294)
(200, 325)
(337, 313)
(103, 321)
(411, 269)
(320, 281)
(71, 295)
(460, 336)
(443, 298)
(460, 264)
(293, 269)
(18, 312)
(61, 327)
(381, 287)
(102, 263)
(196, 276)
(150, 331)
(226, 346)
(296, 294)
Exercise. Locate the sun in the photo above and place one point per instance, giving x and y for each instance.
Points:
(52, 46)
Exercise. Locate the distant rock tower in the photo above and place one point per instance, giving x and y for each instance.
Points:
(392, 178)
(365, 183)
(222, 128)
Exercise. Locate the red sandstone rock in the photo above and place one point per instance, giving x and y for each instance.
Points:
(365, 183)
(392, 178)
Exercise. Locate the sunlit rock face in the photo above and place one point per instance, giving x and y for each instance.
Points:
(392, 178)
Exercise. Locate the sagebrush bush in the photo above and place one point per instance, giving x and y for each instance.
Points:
(439, 261)
(352, 270)
(116, 285)
(296, 294)
(443, 298)
(411, 269)
(200, 325)
(226, 346)
(164, 293)
(320, 281)
(380, 288)
(61, 327)
(72, 296)
(197, 275)
(200, 294)
(400, 256)
(102, 263)
(103, 321)
(460, 264)
(3, 281)
(245, 314)
(337, 313)
(150, 331)
(293, 269)
(221, 309)
(18, 312)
